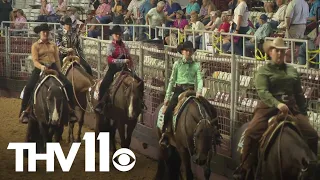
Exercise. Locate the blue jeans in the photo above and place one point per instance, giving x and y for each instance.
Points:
(94, 33)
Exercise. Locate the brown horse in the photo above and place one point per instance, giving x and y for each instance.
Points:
(81, 82)
(50, 111)
(287, 155)
(195, 138)
(122, 114)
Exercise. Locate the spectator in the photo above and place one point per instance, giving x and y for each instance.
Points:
(13, 16)
(20, 21)
(215, 20)
(232, 4)
(72, 13)
(179, 23)
(61, 9)
(240, 23)
(170, 10)
(206, 8)
(225, 25)
(5, 10)
(155, 17)
(192, 6)
(118, 10)
(103, 13)
(268, 5)
(144, 9)
(297, 13)
(262, 32)
(93, 30)
(279, 17)
(47, 13)
(95, 4)
(195, 25)
(134, 15)
(312, 19)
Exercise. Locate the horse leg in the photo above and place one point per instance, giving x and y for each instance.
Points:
(44, 137)
(98, 129)
(122, 132)
(30, 135)
(130, 127)
(80, 123)
(113, 131)
(185, 157)
(58, 134)
(70, 134)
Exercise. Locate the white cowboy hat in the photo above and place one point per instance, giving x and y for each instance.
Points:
(277, 43)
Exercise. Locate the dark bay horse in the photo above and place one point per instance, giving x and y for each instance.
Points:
(81, 82)
(288, 156)
(195, 138)
(122, 114)
(50, 111)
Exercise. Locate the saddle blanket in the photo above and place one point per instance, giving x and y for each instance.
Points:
(160, 119)
(96, 90)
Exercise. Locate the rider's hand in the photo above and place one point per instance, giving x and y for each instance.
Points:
(198, 94)
(283, 108)
(165, 105)
(43, 68)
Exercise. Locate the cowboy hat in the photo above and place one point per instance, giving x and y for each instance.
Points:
(184, 46)
(66, 21)
(42, 27)
(116, 30)
(277, 43)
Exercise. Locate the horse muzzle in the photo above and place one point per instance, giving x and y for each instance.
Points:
(199, 159)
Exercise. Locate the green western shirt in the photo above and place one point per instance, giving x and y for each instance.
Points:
(275, 80)
(185, 72)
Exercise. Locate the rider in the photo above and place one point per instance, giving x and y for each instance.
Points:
(118, 54)
(185, 74)
(44, 55)
(69, 43)
(279, 88)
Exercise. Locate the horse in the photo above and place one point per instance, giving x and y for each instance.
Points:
(49, 111)
(195, 137)
(123, 111)
(81, 82)
(283, 153)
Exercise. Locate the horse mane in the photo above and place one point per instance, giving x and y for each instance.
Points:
(209, 109)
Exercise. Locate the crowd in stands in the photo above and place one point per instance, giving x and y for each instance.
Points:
(291, 19)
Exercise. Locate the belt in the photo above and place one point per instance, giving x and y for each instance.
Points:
(284, 98)
(185, 86)
(297, 24)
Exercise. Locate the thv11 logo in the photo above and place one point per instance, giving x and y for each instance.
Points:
(121, 158)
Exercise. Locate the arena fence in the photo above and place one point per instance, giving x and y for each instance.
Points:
(228, 78)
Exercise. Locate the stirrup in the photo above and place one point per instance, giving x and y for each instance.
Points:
(164, 140)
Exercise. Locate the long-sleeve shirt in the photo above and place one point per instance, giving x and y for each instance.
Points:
(45, 53)
(184, 72)
(117, 53)
(274, 80)
(263, 31)
(298, 11)
(68, 40)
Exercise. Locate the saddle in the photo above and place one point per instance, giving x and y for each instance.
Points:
(42, 80)
(68, 62)
(275, 125)
(183, 100)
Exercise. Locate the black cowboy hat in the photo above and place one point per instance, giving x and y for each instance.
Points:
(66, 21)
(116, 30)
(42, 27)
(188, 45)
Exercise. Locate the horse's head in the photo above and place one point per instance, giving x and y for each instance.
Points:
(55, 98)
(309, 170)
(204, 140)
(133, 97)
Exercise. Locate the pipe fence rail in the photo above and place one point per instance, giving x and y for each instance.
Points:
(228, 78)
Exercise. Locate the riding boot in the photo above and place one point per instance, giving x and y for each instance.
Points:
(102, 102)
(24, 115)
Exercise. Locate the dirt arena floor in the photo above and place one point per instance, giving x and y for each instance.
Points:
(13, 131)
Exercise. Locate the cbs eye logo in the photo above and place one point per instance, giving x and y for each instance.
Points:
(124, 159)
